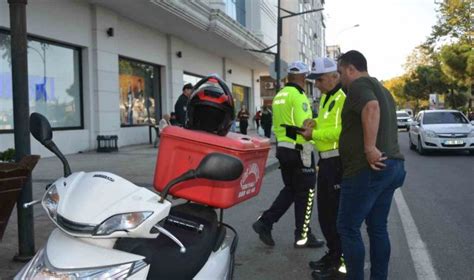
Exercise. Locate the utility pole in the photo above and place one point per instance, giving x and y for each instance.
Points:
(279, 34)
(278, 54)
(21, 116)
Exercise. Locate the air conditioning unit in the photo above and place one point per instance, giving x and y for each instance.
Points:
(269, 85)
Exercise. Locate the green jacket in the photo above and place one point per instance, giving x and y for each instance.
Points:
(328, 123)
(290, 106)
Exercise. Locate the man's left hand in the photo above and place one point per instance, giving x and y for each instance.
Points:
(375, 158)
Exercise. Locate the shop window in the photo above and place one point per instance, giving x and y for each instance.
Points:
(54, 83)
(139, 92)
(241, 97)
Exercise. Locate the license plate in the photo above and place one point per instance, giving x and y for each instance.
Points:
(454, 142)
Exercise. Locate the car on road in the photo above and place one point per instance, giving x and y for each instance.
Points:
(403, 120)
(441, 130)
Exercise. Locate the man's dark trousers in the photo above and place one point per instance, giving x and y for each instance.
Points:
(299, 188)
(329, 179)
(368, 196)
(243, 126)
(267, 129)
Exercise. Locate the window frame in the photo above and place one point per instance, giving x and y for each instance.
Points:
(193, 75)
(81, 83)
(156, 70)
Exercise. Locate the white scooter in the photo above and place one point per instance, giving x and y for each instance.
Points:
(109, 228)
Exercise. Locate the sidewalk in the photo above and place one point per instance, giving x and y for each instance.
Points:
(134, 163)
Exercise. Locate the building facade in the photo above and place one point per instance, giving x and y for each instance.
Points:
(303, 38)
(112, 67)
(333, 51)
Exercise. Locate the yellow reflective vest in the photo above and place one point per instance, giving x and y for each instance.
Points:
(328, 123)
(290, 106)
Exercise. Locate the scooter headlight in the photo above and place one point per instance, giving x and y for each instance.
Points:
(122, 222)
(39, 268)
(50, 202)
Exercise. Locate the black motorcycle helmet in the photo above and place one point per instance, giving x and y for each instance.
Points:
(210, 106)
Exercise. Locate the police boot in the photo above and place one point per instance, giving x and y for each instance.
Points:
(309, 242)
(264, 232)
(336, 270)
(326, 261)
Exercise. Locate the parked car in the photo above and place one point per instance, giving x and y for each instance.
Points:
(409, 111)
(441, 130)
(403, 119)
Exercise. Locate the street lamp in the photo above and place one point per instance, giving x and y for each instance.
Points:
(279, 34)
(344, 30)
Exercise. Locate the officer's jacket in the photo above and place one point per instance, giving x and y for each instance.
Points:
(290, 106)
(328, 123)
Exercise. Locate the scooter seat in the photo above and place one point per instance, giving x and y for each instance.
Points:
(163, 255)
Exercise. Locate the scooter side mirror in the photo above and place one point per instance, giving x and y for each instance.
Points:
(41, 129)
(219, 167)
(214, 166)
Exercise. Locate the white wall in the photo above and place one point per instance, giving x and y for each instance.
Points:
(78, 23)
(268, 17)
(193, 60)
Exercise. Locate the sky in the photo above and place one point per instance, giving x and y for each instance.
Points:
(388, 30)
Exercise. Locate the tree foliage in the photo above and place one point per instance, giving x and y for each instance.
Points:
(419, 56)
(457, 62)
(396, 87)
(454, 22)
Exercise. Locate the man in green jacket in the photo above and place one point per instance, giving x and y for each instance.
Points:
(291, 108)
(325, 135)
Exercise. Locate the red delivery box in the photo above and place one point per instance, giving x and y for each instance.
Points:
(182, 149)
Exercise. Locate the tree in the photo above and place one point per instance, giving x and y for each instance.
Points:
(5, 44)
(457, 62)
(423, 81)
(421, 55)
(396, 87)
(454, 22)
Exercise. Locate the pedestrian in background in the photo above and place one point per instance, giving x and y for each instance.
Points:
(373, 167)
(325, 136)
(173, 120)
(291, 107)
(164, 122)
(257, 118)
(181, 104)
(243, 117)
(267, 121)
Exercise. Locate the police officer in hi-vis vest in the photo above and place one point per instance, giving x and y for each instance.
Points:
(291, 109)
(325, 136)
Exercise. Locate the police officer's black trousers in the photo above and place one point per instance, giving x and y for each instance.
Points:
(299, 188)
(329, 178)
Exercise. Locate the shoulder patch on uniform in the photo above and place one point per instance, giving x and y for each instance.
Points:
(305, 107)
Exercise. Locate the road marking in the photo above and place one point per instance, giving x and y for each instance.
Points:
(421, 258)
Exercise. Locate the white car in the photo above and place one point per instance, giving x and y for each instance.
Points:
(403, 120)
(441, 130)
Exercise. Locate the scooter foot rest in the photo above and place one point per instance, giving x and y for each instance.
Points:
(163, 255)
